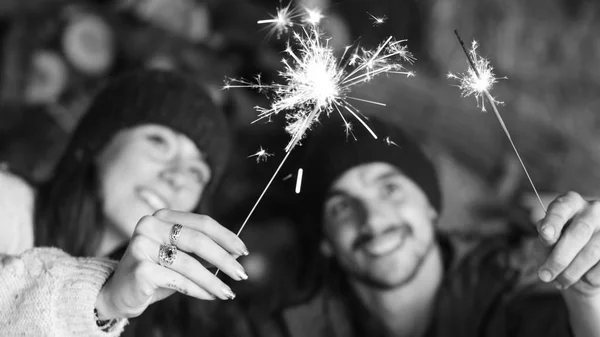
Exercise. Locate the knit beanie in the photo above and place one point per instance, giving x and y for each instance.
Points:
(331, 152)
(152, 97)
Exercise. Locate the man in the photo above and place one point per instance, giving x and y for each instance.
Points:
(384, 270)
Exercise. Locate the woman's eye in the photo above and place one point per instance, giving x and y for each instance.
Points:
(158, 140)
(391, 189)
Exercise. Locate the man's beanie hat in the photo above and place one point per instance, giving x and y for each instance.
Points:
(331, 152)
(152, 97)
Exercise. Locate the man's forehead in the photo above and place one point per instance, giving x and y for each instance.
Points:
(365, 174)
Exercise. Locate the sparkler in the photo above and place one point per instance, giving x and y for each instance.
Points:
(316, 82)
(478, 81)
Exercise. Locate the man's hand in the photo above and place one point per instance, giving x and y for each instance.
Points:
(571, 231)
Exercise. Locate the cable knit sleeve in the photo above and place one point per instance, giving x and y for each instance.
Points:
(16, 212)
(46, 292)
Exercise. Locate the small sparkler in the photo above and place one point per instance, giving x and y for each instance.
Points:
(478, 81)
(261, 154)
(377, 20)
(316, 82)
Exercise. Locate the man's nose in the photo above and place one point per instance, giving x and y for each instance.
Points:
(377, 217)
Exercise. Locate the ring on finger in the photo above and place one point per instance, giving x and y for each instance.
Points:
(175, 233)
(167, 254)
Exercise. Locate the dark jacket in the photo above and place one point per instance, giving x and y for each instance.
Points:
(490, 292)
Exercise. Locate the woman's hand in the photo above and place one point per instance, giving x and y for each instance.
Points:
(144, 275)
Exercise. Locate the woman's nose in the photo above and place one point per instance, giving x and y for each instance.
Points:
(175, 176)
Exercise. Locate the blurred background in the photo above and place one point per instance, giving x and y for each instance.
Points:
(55, 53)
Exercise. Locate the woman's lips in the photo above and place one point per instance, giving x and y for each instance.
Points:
(153, 199)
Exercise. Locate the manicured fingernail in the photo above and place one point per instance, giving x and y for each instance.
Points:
(559, 286)
(244, 250)
(228, 292)
(548, 232)
(241, 273)
(544, 275)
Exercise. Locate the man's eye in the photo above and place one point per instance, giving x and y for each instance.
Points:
(340, 209)
(198, 175)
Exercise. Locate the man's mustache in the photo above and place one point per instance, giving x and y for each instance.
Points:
(366, 237)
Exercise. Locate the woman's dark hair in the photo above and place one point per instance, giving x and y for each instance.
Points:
(68, 212)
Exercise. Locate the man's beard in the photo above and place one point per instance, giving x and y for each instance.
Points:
(373, 281)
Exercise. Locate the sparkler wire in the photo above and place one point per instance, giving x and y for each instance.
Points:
(500, 120)
(293, 144)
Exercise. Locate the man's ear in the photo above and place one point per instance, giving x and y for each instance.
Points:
(326, 248)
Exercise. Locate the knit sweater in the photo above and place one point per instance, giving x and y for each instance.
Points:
(43, 291)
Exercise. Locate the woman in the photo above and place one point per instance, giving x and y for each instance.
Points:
(151, 147)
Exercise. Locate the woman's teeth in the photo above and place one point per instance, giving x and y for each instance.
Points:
(152, 199)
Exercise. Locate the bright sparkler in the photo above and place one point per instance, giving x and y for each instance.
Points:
(316, 82)
(478, 81)
(261, 154)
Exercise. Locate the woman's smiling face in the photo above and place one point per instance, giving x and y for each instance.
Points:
(147, 168)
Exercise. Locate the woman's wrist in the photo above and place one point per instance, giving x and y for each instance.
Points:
(104, 325)
(101, 308)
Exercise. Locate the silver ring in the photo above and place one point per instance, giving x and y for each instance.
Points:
(175, 233)
(167, 255)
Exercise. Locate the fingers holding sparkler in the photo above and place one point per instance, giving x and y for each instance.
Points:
(477, 81)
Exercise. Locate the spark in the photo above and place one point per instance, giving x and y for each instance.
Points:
(261, 154)
(478, 81)
(316, 82)
(287, 177)
(282, 21)
(377, 20)
(313, 16)
(390, 142)
(299, 180)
